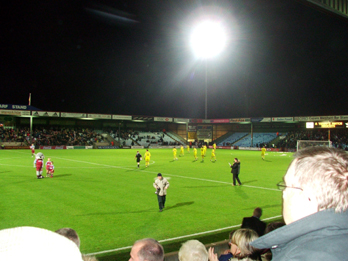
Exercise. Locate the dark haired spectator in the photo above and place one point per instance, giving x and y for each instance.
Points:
(267, 253)
(254, 222)
(70, 234)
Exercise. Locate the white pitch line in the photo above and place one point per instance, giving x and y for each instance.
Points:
(10, 158)
(178, 176)
(15, 165)
(209, 180)
(105, 165)
(59, 167)
(176, 238)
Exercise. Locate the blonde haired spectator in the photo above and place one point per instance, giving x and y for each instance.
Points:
(240, 246)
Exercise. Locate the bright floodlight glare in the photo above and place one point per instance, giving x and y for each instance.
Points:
(208, 39)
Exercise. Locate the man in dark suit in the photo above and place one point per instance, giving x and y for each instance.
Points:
(254, 222)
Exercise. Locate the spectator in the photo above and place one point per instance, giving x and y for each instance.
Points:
(267, 254)
(254, 222)
(315, 202)
(273, 226)
(70, 234)
(23, 243)
(227, 255)
(240, 246)
(147, 249)
(193, 250)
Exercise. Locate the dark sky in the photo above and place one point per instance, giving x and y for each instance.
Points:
(283, 58)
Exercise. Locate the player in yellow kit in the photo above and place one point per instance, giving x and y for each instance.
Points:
(182, 151)
(188, 148)
(214, 146)
(263, 153)
(147, 156)
(205, 149)
(195, 153)
(174, 154)
(202, 153)
(213, 155)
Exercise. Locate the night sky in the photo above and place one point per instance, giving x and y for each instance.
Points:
(132, 57)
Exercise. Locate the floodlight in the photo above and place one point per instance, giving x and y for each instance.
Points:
(208, 39)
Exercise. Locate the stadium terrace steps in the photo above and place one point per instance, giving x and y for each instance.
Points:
(258, 138)
(235, 137)
(243, 139)
(176, 137)
(110, 139)
(219, 141)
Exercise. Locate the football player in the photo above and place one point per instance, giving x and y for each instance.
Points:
(174, 154)
(213, 155)
(263, 153)
(182, 151)
(195, 153)
(147, 158)
(202, 153)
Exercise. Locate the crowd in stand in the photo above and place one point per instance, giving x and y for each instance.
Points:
(339, 138)
(66, 136)
(14, 135)
(57, 136)
(135, 137)
(124, 134)
(52, 136)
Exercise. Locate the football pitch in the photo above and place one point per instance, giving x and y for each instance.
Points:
(111, 203)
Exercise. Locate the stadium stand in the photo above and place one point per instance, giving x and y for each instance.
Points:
(219, 141)
(66, 136)
(243, 139)
(233, 138)
(14, 135)
(48, 136)
(176, 138)
(263, 138)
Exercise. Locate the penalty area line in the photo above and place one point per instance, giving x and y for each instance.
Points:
(176, 238)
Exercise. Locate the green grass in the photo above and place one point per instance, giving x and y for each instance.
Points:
(111, 203)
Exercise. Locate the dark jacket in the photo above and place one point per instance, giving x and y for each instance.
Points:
(320, 236)
(235, 167)
(255, 224)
